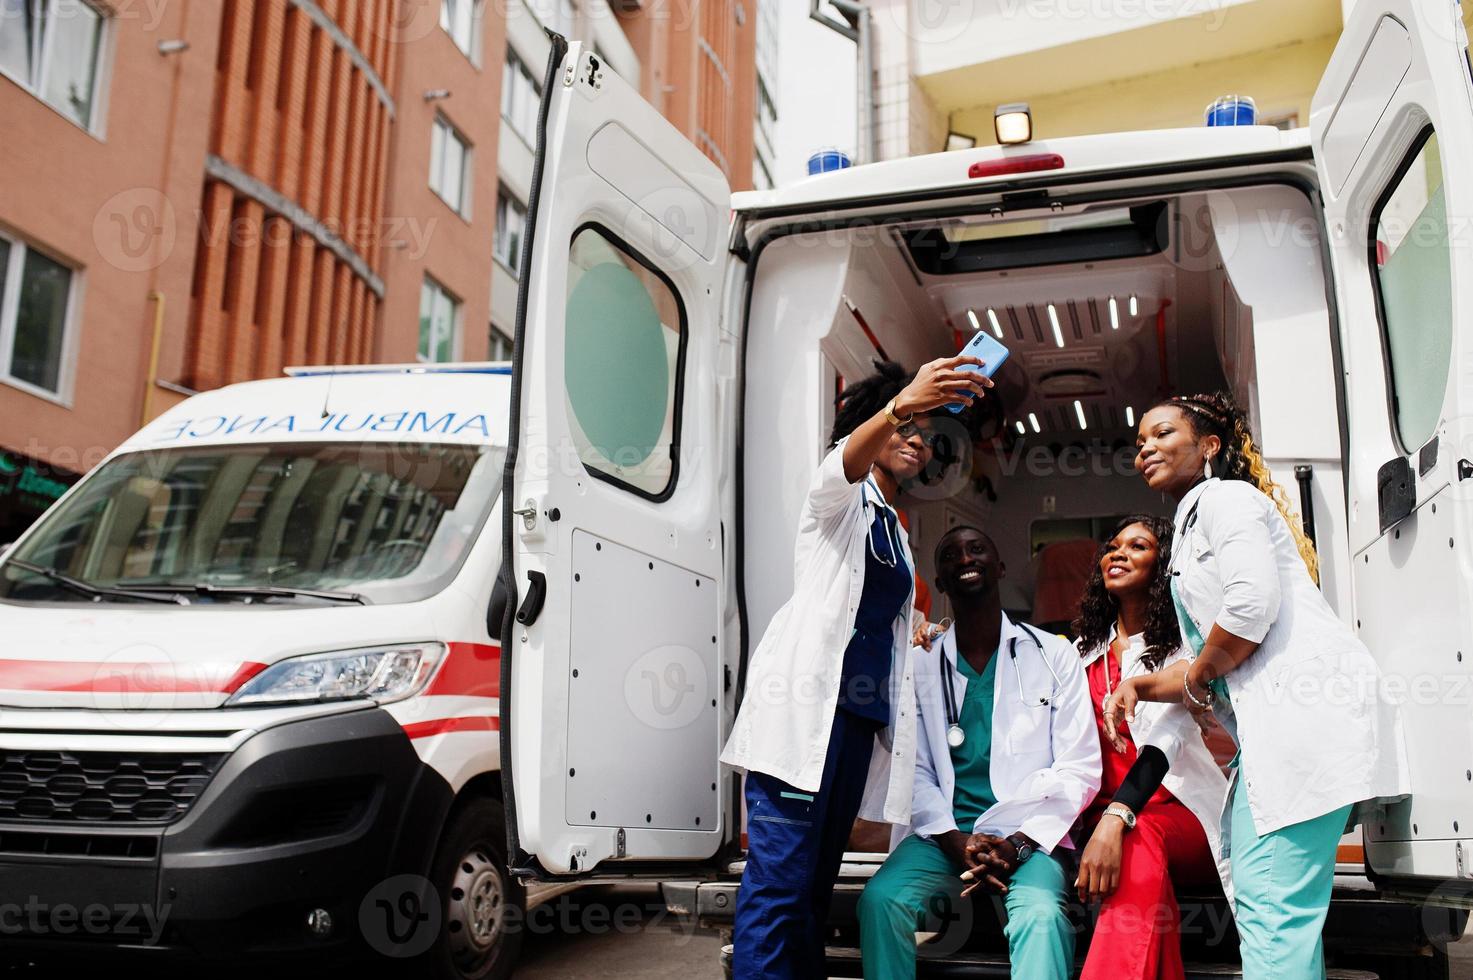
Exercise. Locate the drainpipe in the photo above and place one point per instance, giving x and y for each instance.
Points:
(857, 26)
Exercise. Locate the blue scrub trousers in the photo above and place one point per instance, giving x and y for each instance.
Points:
(795, 843)
(1282, 882)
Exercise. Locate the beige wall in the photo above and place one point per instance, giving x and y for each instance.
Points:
(1279, 80)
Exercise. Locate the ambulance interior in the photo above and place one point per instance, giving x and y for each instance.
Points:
(1103, 307)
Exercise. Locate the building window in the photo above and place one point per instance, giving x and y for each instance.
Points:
(53, 48)
(35, 307)
(623, 357)
(500, 347)
(511, 226)
(556, 15)
(450, 157)
(1414, 284)
(439, 322)
(520, 96)
(461, 19)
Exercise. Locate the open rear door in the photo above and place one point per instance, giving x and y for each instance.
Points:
(612, 698)
(1393, 142)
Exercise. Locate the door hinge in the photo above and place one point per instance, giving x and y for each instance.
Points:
(621, 844)
(1458, 859)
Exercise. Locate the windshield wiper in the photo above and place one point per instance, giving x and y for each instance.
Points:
(253, 591)
(90, 589)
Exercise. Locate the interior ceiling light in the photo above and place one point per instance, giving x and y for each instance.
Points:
(1114, 314)
(1053, 319)
(1079, 411)
(1013, 123)
(1134, 309)
(1033, 421)
(992, 319)
(1021, 430)
(972, 316)
(1130, 416)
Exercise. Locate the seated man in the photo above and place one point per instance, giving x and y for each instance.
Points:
(988, 681)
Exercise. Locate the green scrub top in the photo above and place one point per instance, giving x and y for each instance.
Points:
(972, 760)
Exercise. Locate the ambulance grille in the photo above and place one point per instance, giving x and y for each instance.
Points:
(101, 787)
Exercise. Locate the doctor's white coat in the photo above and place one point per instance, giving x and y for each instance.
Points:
(1045, 756)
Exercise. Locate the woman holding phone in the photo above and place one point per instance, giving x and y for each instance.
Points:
(1298, 692)
(832, 672)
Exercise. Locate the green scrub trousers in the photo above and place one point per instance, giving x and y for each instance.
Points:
(1282, 880)
(918, 876)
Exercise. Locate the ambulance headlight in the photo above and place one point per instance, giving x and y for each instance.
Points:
(387, 673)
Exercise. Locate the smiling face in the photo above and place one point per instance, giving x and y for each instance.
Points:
(967, 564)
(908, 450)
(1129, 561)
(1170, 454)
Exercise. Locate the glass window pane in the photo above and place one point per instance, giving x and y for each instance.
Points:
(625, 326)
(19, 33)
(437, 157)
(454, 189)
(72, 49)
(444, 328)
(1415, 275)
(426, 320)
(40, 323)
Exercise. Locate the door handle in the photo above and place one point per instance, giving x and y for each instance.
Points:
(1465, 470)
(531, 606)
(1304, 474)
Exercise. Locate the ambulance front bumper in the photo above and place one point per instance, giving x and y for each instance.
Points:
(279, 845)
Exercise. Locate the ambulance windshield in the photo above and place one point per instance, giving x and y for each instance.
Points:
(268, 524)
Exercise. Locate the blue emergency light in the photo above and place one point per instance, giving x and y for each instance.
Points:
(1232, 110)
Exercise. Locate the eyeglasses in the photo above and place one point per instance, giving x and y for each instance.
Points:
(909, 430)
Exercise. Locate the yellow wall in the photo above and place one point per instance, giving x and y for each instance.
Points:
(1280, 80)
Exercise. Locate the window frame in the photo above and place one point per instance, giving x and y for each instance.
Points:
(517, 66)
(101, 69)
(1393, 184)
(677, 408)
(505, 193)
(478, 8)
(13, 275)
(494, 331)
(441, 121)
(457, 319)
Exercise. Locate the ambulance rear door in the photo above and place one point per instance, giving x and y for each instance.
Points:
(1392, 128)
(613, 692)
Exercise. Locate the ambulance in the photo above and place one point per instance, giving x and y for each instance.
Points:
(347, 659)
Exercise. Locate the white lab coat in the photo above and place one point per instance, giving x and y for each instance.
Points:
(1194, 777)
(782, 727)
(1045, 758)
(1315, 730)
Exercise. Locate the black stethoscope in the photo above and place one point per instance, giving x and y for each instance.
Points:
(955, 737)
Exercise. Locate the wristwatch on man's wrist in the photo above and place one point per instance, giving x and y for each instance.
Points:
(1125, 813)
(1022, 845)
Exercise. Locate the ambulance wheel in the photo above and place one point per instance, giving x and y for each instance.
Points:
(485, 907)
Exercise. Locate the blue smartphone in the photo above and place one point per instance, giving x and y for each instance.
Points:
(993, 355)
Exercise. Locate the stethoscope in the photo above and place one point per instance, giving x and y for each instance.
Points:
(955, 737)
(892, 542)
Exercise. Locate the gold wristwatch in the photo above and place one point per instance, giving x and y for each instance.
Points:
(894, 419)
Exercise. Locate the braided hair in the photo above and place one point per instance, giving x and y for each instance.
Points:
(1098, 609)
(863, 399)
(1218, 415)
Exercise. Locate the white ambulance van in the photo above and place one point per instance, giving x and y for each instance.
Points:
(259, 659)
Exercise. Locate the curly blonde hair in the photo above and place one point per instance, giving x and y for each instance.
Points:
(1218, 415)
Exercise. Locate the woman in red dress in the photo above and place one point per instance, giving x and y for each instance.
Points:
(1155, 823)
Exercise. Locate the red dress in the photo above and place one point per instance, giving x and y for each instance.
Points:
(1137, 936)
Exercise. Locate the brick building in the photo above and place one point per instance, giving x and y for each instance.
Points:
(201, 193)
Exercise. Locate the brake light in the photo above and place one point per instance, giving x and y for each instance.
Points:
(1032, 163)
